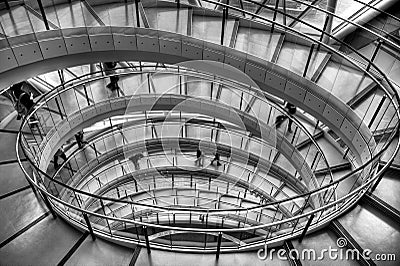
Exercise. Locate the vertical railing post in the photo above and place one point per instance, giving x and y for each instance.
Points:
(306, 227)
(330, 7)
(294, 135)
(224, 17)
(346, 152)
(301, 211)
(308, 60)
(7, 4)
(48, 205)
(104, 212)
(378, 46)
(146, 237)
(86, 94)
(46, 23)
(219, 244)
(377, 110)
(274, 17)
(322, 37)
(89, 226)
(137, 14)
(375, 185)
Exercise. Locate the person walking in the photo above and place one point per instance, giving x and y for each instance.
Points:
(291, 108)
(23, 101)
(135, 160)
(80, 139)
(109, 69)
(199, 157)
(216, 158)
(59, 153)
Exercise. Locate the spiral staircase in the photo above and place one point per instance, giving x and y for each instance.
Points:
(195, 74)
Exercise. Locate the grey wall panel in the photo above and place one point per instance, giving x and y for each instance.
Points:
(295, 92)
(192, 51)
(213, 55)
(255, 72)
(77, 44)
(53, 48)
(7, 60)
(348, 129)
(147, 43)
(314, 102)
(333, 116)
(235, 62)
(27, 53)
(171, 47)
(101, 42)
(275, 81)
(125, 42)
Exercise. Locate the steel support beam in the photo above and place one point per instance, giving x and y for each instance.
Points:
(46, 23)
(89, 226)
(341, 232)
(146, 237)
(330, 7)
(304, 13)
(306, 228)
(288, 246)
(219, 244)
(384, 208)
(344, 28)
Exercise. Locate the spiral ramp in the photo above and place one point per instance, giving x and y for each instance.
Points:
(337, 170)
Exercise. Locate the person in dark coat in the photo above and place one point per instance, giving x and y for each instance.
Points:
(135, 160)
(109, 68)
(79, 139)
(216, 158)
(281, 118)
(22, 99)
(59, 154)
(199, 157)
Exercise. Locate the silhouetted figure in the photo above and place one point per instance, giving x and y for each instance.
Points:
(109, 68)
(23, 101)
(216, 158)
(199, 158)
(135, 160)
(281, 118)
(59, 153)
(201, 218)
(79, 139)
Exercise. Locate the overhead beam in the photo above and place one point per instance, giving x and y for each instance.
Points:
(330, 7)
(384, 208)
(365, 15)
(304, 12)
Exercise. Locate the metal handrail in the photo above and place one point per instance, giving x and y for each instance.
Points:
(37, 107)
(261, 206)
(360, 189)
